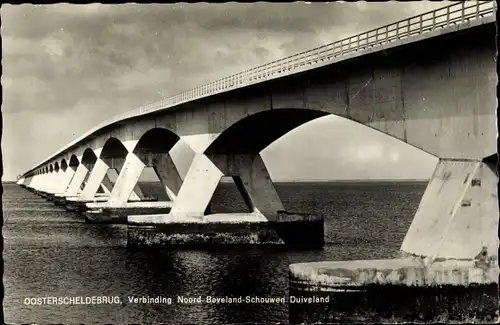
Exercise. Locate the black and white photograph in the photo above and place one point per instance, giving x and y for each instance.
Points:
(250, 163)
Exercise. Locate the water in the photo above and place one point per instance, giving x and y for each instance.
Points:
(50, 252)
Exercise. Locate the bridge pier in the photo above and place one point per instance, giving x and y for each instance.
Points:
(73, 186)
(449, 257)
(89, 192)
(188, 223)
(124, 201)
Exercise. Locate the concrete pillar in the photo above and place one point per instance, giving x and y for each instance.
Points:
(168, 174)
(34, 180)
(77, 180)
(117, 164)
(50, 182)
(257, 182)
(64, 179)
(96, 177)
(458, 214)
(85, 179)
(35, 183)
(198, 188)
(251, 177)
(107, 185)
(27, 181)
(43, 182)
(127, 180)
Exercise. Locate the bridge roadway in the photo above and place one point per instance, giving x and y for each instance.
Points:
(429, 80)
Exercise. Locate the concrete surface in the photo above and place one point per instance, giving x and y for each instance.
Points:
(409, 272)
(227, 229)
(394, 291)
(458, 213)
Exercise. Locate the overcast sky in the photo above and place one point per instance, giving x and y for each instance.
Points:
(67, 67)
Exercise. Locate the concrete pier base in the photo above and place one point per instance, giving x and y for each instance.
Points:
(292, 230)
(49, 196)
(43, 194)
(104, 212)
(394, 290)
(61, 198)
(78, 205)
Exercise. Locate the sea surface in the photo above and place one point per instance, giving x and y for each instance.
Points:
(49, 252)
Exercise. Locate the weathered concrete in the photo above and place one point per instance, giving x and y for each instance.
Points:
(458, 213)
(106, 212)
(443, 82)
(334, 275)
(77, 181)
(454, 242)
(127, 180)
(291, 230)
(395, 290)
(96, 177)
(267, 223)
(250, 175)
(166, 171)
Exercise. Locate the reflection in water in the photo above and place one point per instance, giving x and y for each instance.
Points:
(51, 252)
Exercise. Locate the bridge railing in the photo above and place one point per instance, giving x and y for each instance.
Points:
(454, 14)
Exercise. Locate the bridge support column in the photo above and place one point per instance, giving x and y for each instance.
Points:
(52, 184)
(266, 223)
(121, 201)
(33, 181)
(66, 183)
(92, 185)
(117, 165)
(43, 184)
(106, 185)
(251, 177)
(40, 183)
(63, 180)
(127, 180)
(96, 178)
(458, 215)
(167, 173)
(448, 263)
(77, 180)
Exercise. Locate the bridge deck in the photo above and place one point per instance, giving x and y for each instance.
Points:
(457, 16)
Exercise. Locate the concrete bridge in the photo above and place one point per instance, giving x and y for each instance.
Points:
(428, 80)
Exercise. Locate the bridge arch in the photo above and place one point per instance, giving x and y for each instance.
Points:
(113, 148)
(253, 133)
(88, 158)
(56, 167)
(73, 162)
(64, 165)
(51, 168)
(156, 140)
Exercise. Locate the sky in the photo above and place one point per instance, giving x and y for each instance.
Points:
(68, 67)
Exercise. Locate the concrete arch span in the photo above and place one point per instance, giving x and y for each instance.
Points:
(456, 212)
(100, 162)
(149, 147)
(235, 152)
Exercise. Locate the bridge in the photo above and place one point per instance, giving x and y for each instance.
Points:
(429, 81)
